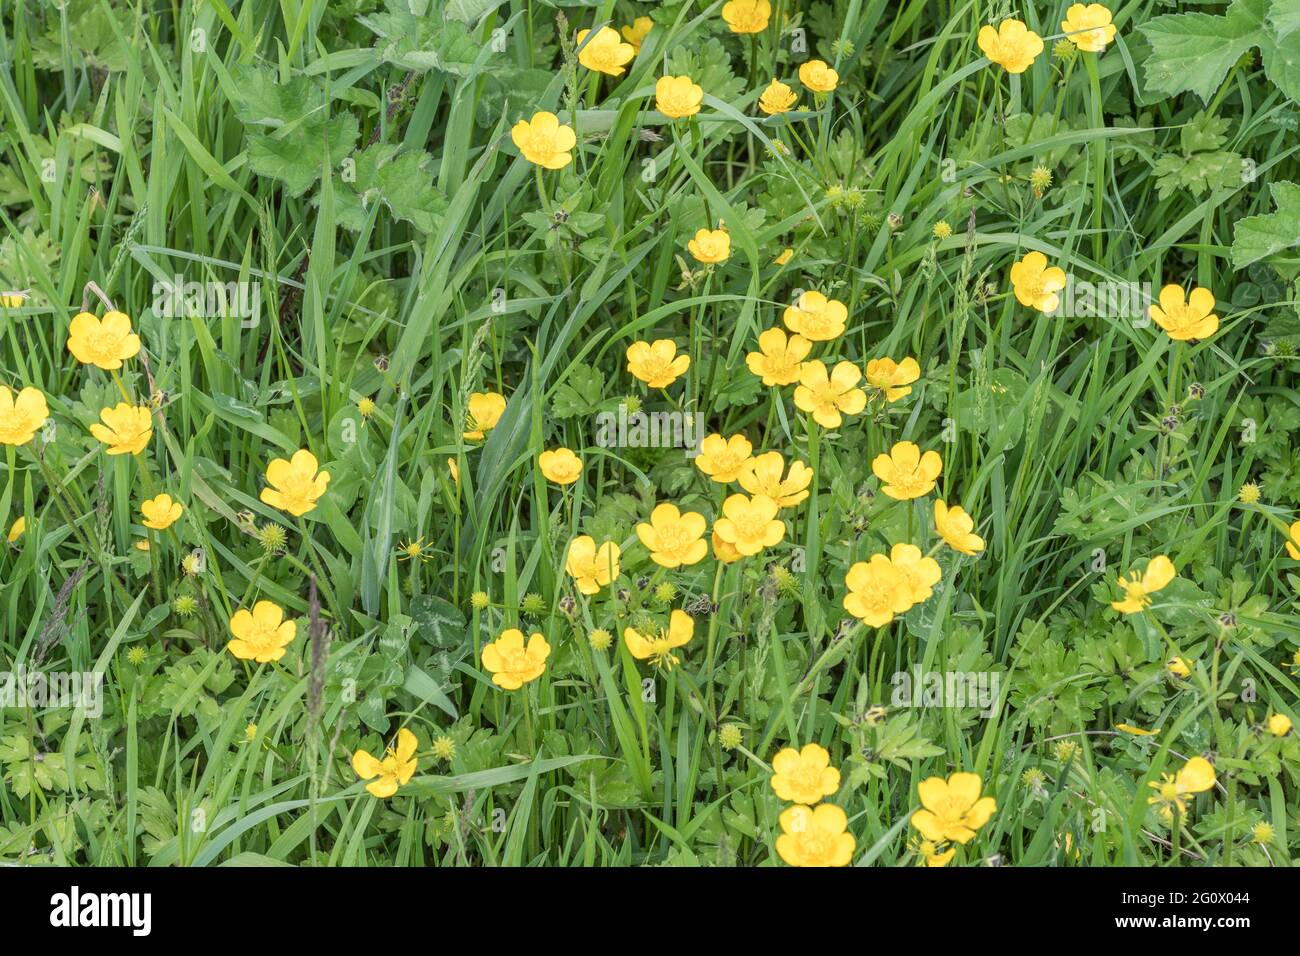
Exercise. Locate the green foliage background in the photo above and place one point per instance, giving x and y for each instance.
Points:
(352, 160)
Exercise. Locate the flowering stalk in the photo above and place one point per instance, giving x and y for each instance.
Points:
(1098, 151)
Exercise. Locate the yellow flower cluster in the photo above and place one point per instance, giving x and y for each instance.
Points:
(886, 585)
(294, 485)
(812, 833)
(952, 810)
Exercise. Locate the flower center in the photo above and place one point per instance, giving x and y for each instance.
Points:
(656, 367)
(104, 343)
(816, 844)
(672, 538)
(515, 661)
(808, 777)
(876, 595)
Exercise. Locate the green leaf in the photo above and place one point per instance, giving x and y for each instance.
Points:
(581, 394)
(261, 101)
(303, 133)
(439, 622)
(469, 11)
(1197, 173)
(1203, 133)
(297, 160)
(1284, 16)
(426, 688)
(1257, 237)
(1282, 62)
(1194, 51)
(402, 182)
(422, 43)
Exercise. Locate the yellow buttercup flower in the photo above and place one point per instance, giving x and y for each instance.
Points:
(818, 77)
(295, 485)
(749, 524)
(934, 854)
(103, 343)
(513, 664)
(723, 459)
(1011, 46)
(893, 379)
(1088, 26)
(395, 770)
(1036, 284)
(16, 529)
(1196, 776)
(953, 808)
(761, 475)
(747, 16)
(658, 649)
(160, 512)
(1183, 320)
(1279, 725)
(724, 551)
(21, 415)
(12, 300)
(827, 397)
(677, 97)
(126, 429)
(876, 591)
(560, 465)
(261, 635)
(816, 318)
(592, 568)
(779, 358)
(544, 140)
(674, 538)
(815, 836)
(917, 574)
(485, 410)
(657, 363)
(956, 528)
(710, 246)
(906, 473)
(804, 776)
(1138, 590)
(777, 98)
(635, 32)
(1179, 667)
(605, 52)
(784, 256)
(1293, 545)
